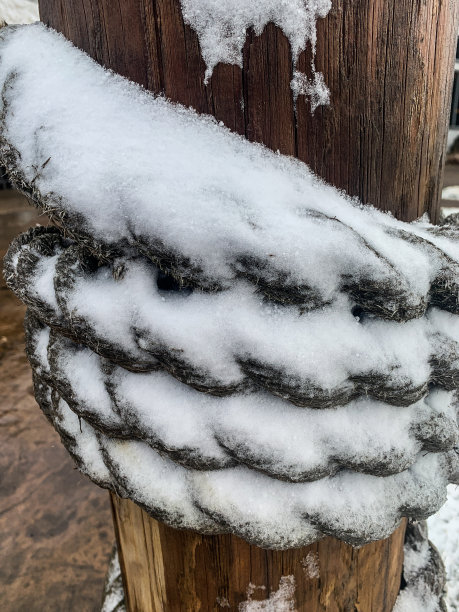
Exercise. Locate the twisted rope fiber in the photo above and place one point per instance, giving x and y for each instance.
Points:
(108, 464)
(114, 410)
(143, 348)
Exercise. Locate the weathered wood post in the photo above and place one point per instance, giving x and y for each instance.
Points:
(388, 65)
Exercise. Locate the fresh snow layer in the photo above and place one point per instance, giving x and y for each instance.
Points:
(255, 429)
(18, 11)
(125, 170)
(356, 508)
(137, 179)
(444, 533)
(232, 341)
(221, 27)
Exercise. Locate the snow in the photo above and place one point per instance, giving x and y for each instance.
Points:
(417, 599)
(281, 600)
(444, 533)
(221, 27)
(18, 11)
(234, 210)
(277, 261)
(224, 342)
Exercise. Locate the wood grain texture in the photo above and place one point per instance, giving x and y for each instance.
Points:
(183, 571)
(388, 64)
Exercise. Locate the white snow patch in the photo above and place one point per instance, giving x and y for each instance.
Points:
(444, 533)
(311, 565)
(281, 600)
(221, 26)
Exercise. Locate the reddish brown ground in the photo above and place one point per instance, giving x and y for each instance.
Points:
(55, 525)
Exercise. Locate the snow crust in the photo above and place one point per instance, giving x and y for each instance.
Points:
(234, 209)
(221, 27)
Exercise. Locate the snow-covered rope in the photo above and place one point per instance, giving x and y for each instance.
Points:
(126, 171)
(199, 287)
(230, 342)
(357, 508)
(424, 576)
(255, 429)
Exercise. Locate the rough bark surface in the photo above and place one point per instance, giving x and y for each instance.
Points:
(388, 64)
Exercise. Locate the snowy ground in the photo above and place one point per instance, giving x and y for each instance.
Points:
(444, 533)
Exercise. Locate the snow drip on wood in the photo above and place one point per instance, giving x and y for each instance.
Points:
(282, 600)
(221, 26)
(311, 565)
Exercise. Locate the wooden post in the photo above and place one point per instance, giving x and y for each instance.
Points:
(172, 570)
(388, 64)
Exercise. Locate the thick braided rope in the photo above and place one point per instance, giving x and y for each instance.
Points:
(297, 240)
(356, 508)
(423, 572)
(229, 342)
(290, 275)
(201, 432)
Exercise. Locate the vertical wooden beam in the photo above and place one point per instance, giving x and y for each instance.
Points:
(388, 64)
(171, 570)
